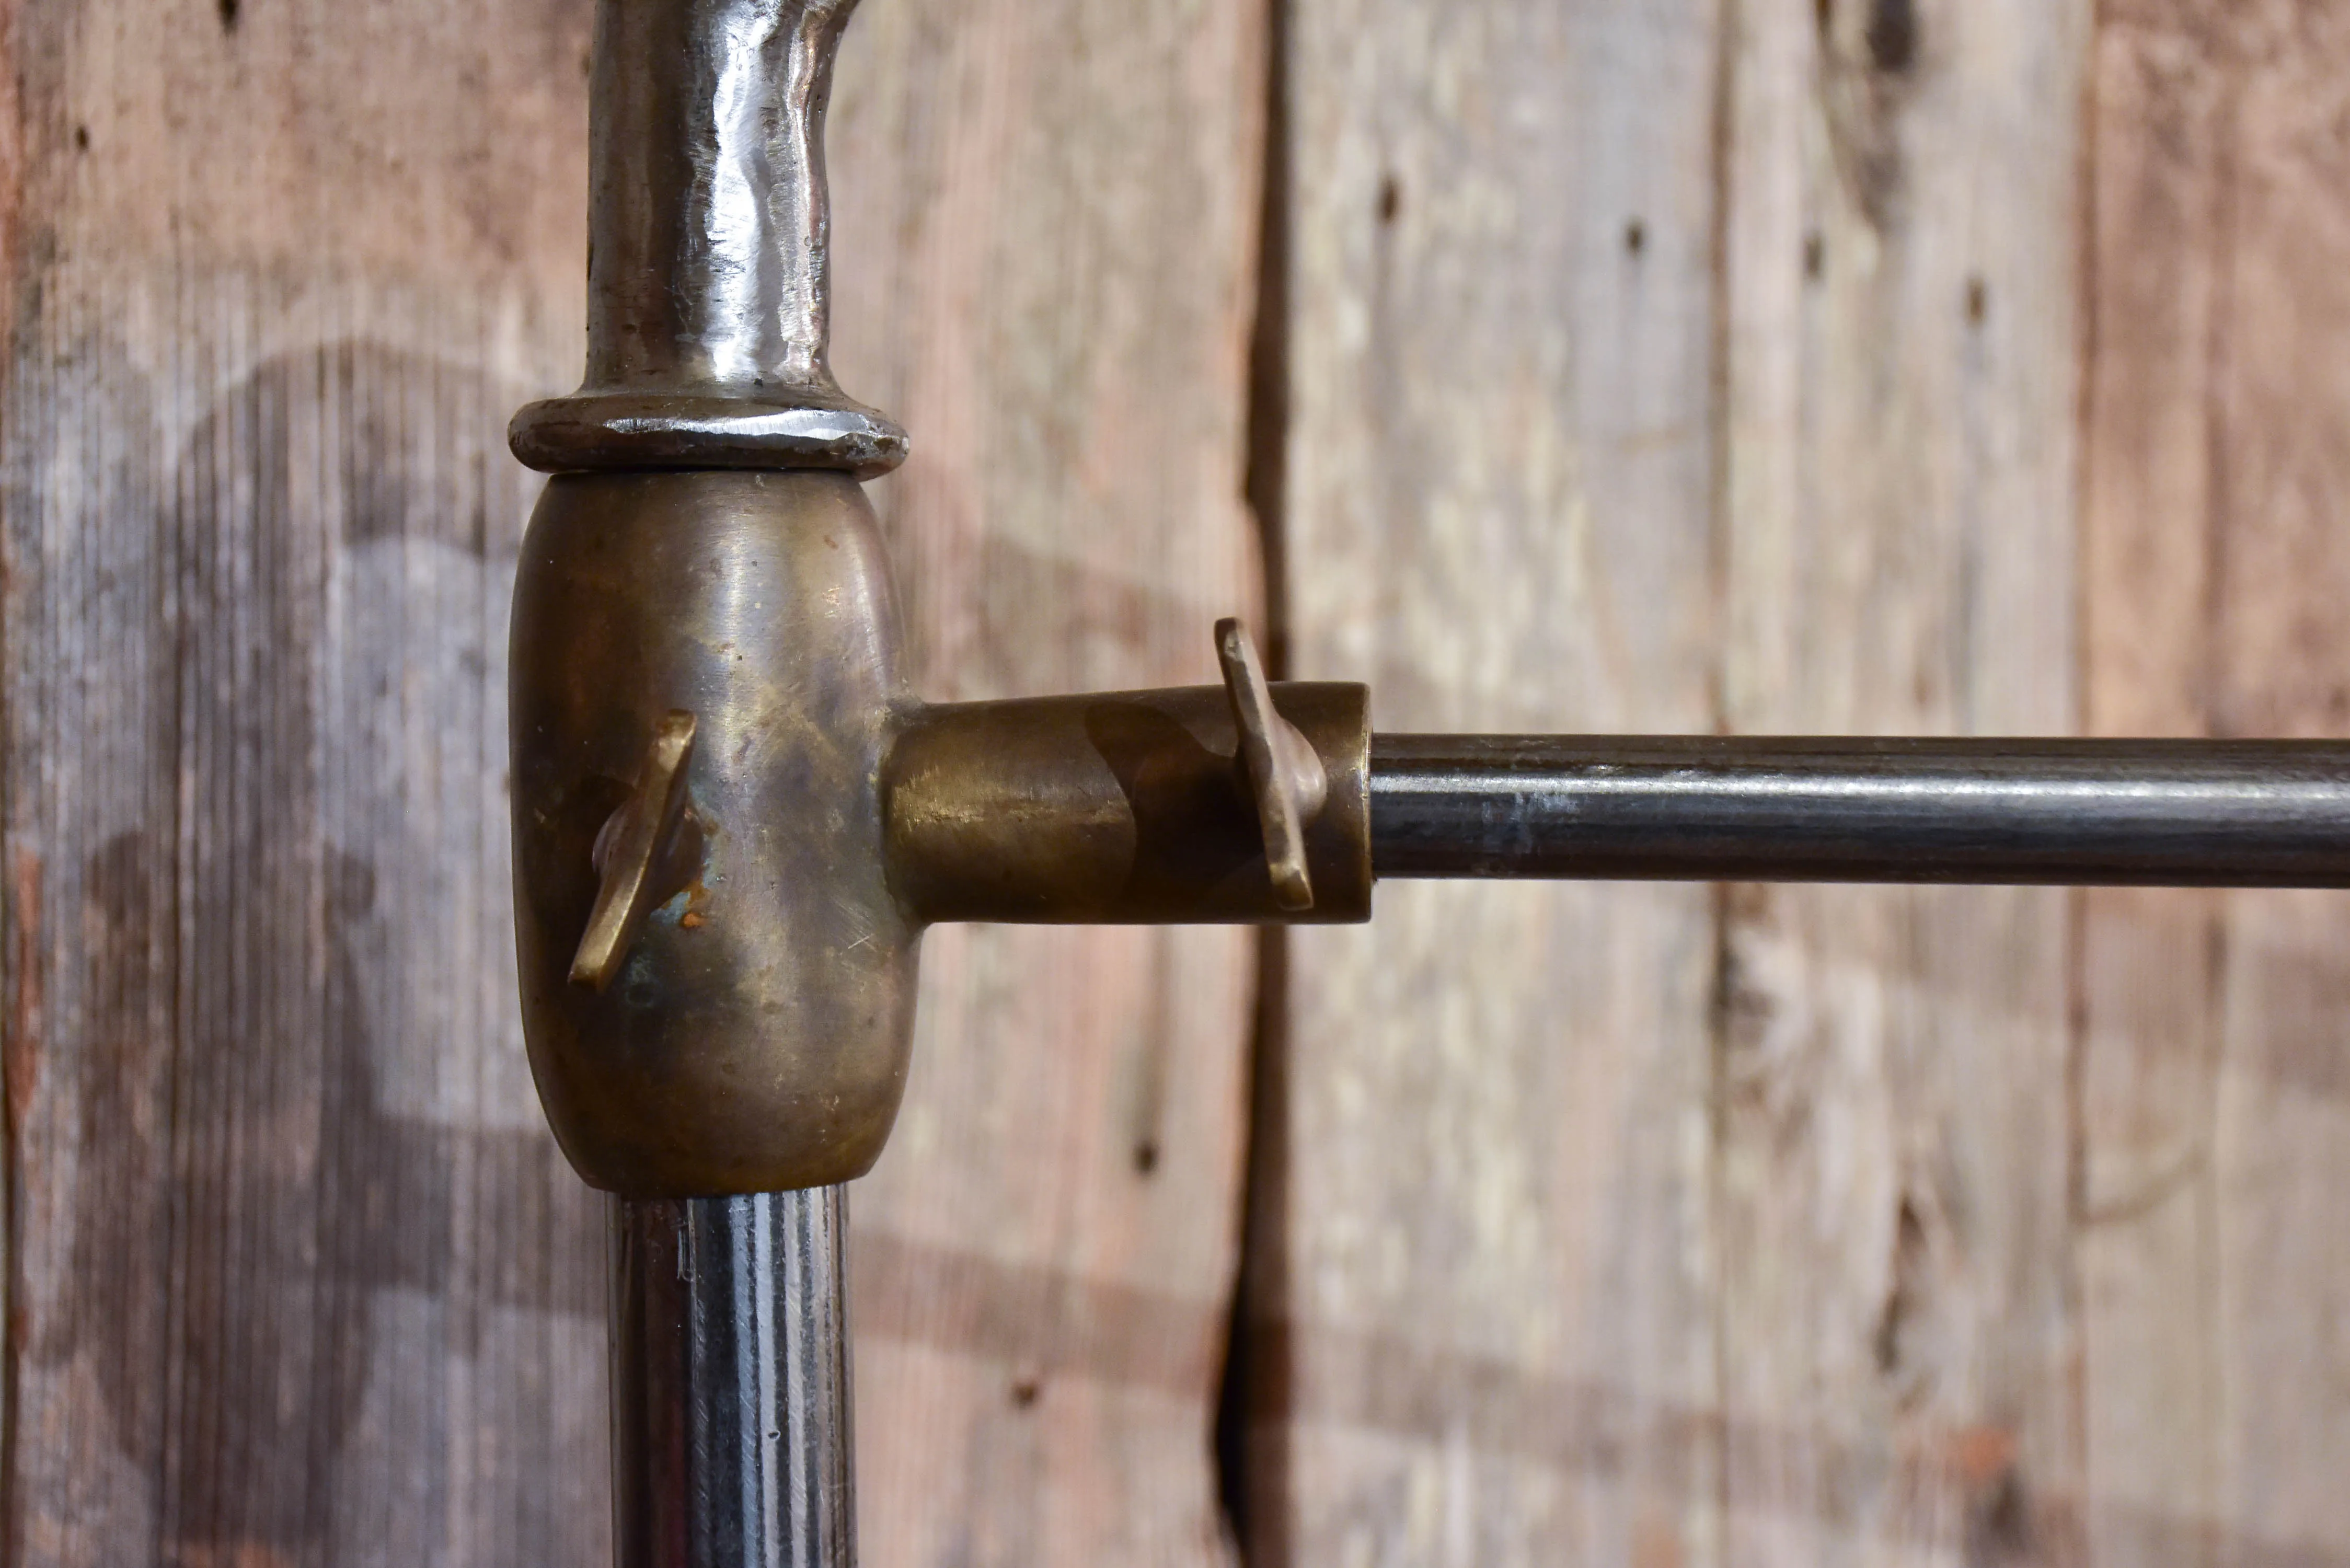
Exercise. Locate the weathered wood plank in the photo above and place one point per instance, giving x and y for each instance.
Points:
(297, 1274)
(1898, 1331)
(2215, 1125)
(2149, 960)
(1046, 241)
(1490, 1323)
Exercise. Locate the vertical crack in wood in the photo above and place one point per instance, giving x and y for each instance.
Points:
(1720, 1021)
(1249, 1389)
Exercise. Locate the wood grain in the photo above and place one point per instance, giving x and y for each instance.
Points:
(1895, 1139)
(1047, 238)
(2009, 1217)
(295, 1273)
(2215, 1124)
(1488, 1332)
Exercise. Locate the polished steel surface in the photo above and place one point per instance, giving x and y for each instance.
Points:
(733, 1445)
(2158, 813)
(754, 1036)
(710, 249)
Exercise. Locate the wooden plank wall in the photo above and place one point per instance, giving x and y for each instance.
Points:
(1874, 365)
(1896, 1322)
(1492, 1317)
(2215, 1072)
(296, 1275)
(1047, 213)
(1864, 366)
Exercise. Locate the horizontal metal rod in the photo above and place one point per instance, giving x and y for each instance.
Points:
(2242, 814)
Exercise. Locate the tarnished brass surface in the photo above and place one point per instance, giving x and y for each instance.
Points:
(721, 1003)
(1118, 809)
(630, 852)
(1284, 776)
(755, 1038)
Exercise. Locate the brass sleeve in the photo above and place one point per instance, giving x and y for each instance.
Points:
(1117, 808)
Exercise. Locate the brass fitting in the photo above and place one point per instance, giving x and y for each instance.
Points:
(732, 818)
(752, 1035)
(733, 821)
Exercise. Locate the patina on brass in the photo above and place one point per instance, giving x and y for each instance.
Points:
(1121, 808)
(1284, 775)
(731, 821)
(706, 681)
(725, 1003)
(629, 854)
(753, 1037)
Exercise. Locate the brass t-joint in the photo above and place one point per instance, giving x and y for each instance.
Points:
(733, 821)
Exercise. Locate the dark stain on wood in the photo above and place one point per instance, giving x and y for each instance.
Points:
(1865, 83)
(2000, 1524)
(246, 1201)
(1892, 36)
(21, 1066)
(1905, 1295)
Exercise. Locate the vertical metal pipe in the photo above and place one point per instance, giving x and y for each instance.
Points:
(708, 261)
(709, 252)
(733, 1445)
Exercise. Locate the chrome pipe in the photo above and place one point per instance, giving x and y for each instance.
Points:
(2265, 814)
(733, 1440)
(709, 250)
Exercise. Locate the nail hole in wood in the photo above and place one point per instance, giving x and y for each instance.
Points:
(1816, 255)
(1027, 1391)
(1146, 1157)
(1907, 1296)
(1390, 200)
(1893, 36)
(1978, 301)
(81, 138)
(1998, 1523)
(1635, 238)
(228, 14)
